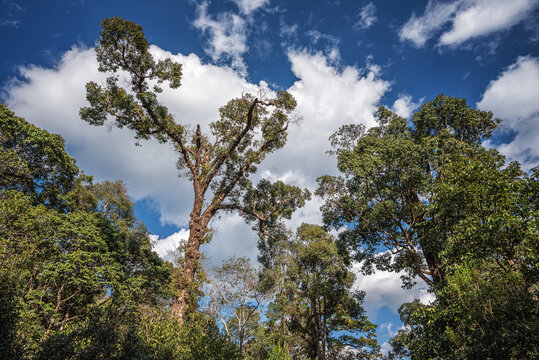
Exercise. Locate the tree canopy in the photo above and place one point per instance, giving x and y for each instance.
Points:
(421, 197)
(78, 277)
(218, 164)
(390, 178)
(450, 212)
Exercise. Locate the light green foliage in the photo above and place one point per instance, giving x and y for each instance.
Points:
(277, 353)
(323, 314)
(165, 338)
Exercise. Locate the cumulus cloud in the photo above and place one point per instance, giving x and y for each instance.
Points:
(169, 245)
(383, 288)
(51, 98)
(467, 19)
(227, 32)
(404, 106)
(484, 17)
(327, 96)
(366, 16)
(513, 97)
(227, 35)
(249, 6)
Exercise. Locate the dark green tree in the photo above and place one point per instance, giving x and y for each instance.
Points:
(34, 161)
(450, 212)
(76, 265)
(218, 165)
(487, 306)
(389, 177)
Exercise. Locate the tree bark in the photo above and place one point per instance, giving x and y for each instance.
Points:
(185, 300)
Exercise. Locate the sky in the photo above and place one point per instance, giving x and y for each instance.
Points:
(339, 59)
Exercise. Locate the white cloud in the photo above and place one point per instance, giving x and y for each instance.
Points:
(366, 16)
(514, 97)
(164, 247)
(385, 348)
(327, 98)
(383, 288)
(390, 328)
(419, 29)
(248, 6)
(404, 106)
(51, 99)
(468, 19)
(227, 35)
(484, 17)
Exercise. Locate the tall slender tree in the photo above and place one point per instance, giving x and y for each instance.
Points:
(218, 165)
(325, 317)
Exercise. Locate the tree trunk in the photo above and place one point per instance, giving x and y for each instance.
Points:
(186, 301)
(431, 257)
(435, 266)
(324, 331)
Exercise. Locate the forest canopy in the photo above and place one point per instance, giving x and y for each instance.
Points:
(422, 197)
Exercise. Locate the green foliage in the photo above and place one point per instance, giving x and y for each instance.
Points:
(487, 307)
(391, 177)
(278, 353)
(122, 46)
(266, 206)
(73, 258)
(316, 303)
(482, 312)
(450, 212)
(9, 318)
(165, 338)
(34, 162)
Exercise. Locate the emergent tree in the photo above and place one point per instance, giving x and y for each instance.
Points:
(218, 165)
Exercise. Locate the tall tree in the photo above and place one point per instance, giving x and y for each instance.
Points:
(450, 212)
(325, 319)
(487, 305)
(390, 174)
(218, 165)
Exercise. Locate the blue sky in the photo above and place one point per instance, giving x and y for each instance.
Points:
(340, 59)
